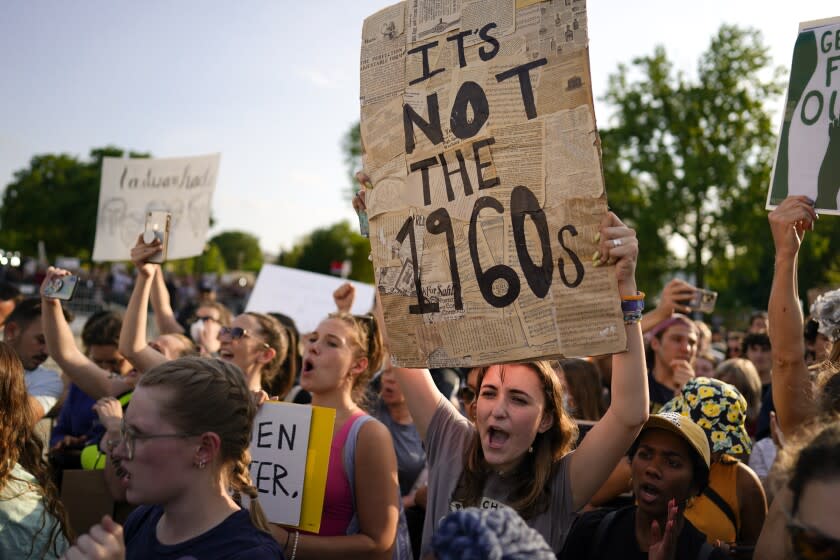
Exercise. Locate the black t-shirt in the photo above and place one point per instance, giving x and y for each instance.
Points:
(659, 393)
(619, 541)
(762, 428)
(233, 538)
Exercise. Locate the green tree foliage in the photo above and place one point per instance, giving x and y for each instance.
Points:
(210, 260)
(352, 146)
(338, 242)
(691, 158)
(240, 250)
(54, 200)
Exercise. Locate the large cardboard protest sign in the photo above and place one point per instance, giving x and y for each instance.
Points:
(304, 296)
(290, 450)
(808, 153)
(479, 137)
(131, 187)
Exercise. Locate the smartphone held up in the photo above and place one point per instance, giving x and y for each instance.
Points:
(157, 227)
(62, 288)
(703, 300)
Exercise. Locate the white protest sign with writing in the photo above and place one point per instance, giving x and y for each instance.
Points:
(808, 154)
(304, 296)
(132, 187)
(278, 459)
(487, 192)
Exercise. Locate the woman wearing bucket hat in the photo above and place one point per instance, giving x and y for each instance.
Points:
(732, 508)
(669, 462)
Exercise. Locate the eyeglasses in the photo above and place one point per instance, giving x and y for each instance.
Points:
(810, 543)
(466, 395)
(130, 437)
(236, 333)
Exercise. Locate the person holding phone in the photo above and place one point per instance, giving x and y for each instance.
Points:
(142, 355)
(91, 377)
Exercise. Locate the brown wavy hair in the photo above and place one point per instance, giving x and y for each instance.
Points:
(530, 495)
(19, 444)
(210, 395)
(368, 342)
(583, 380)
(274, 380)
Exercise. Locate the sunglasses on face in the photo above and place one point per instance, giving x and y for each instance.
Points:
(237, 333)
(810, 543)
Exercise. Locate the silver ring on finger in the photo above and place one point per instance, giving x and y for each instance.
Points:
(616, 242)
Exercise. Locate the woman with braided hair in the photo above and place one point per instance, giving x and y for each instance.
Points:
(32, 520)
(182, 452)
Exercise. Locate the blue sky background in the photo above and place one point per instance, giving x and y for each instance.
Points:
(272, 85)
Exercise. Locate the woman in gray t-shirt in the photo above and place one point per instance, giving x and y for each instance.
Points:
(519, 451)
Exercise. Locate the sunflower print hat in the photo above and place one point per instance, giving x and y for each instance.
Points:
(719, 409)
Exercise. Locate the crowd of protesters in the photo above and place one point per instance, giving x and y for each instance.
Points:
(693, 443)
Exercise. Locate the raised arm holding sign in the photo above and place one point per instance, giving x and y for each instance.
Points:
(481, 148)
(523, 435)
(808, 154)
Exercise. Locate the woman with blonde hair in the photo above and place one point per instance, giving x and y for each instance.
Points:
(254, 342)
(183, 453)
(258, 344)
(361, 508)
(33, 523)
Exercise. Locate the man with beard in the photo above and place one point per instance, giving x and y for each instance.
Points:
(24, 332)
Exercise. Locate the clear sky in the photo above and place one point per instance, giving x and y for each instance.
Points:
(272, 85)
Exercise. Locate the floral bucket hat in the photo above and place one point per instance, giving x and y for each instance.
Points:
(719, 409)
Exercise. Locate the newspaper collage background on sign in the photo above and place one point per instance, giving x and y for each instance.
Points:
(479, 137)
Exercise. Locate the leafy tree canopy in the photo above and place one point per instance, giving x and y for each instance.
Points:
(54, 200)
(317, 251)
(691, 158)
(239, 250)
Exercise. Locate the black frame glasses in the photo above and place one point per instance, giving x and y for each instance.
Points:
(129, 437)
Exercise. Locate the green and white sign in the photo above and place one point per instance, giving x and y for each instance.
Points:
(808, 154)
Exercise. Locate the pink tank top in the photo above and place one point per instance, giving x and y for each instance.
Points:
(338, 502)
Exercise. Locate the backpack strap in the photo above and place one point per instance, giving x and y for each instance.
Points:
(722, 506)
(601, 532)
(705, 551)
(349, 461)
